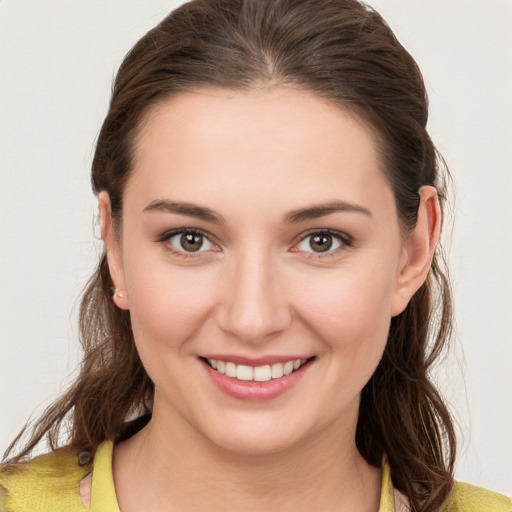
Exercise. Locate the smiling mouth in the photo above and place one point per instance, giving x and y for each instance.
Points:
(255, 373)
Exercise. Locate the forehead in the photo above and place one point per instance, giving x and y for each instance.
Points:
(282, 144)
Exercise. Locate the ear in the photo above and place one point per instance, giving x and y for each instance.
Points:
(113, 248)
(419, 249)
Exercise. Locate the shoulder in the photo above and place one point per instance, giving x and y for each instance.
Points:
(46, 483)
(469, 498)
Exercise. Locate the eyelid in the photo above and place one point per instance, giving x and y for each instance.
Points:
(343, 238)
(165, 237)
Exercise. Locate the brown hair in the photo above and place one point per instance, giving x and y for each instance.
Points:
(338, 49)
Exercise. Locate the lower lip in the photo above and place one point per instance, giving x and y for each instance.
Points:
(252, 390)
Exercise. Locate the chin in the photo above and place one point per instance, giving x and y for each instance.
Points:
(256, 439)
(254, 445)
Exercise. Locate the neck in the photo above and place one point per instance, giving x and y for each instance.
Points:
(168, 467)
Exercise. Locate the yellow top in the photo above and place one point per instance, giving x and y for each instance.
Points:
(51, 482)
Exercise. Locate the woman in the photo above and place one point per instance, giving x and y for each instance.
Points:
(260, 328)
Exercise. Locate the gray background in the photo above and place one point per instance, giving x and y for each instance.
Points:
(57, 60)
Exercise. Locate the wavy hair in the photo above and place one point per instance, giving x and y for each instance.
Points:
(341, 50)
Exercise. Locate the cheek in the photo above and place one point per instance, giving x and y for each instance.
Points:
(350, 312)
(350, 316)
(167, 305)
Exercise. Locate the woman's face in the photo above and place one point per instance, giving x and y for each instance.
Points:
(258, 230)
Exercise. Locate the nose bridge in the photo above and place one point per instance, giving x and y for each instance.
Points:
(255, 306)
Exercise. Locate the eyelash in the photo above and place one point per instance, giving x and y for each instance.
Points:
(165, 238)
(344, 239)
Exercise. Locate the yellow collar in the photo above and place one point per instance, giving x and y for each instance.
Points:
(103, 494)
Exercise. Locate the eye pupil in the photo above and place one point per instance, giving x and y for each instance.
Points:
(321, 243)
(191, 242)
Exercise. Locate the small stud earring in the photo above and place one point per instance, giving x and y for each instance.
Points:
(117, 293)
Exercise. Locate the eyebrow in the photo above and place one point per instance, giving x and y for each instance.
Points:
(321, 210)
(189, 209)
(293, 217)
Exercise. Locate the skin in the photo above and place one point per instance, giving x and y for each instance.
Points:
(258, 287)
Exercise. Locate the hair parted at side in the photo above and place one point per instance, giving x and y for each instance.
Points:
(341, 50)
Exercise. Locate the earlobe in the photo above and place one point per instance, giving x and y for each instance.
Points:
(419, 249)
(113, 249)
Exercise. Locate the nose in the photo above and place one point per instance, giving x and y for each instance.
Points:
(254, 306)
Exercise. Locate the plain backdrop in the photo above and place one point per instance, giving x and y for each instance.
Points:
(57, 61)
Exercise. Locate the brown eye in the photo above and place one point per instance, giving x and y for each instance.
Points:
(189, 241)
(321, 242)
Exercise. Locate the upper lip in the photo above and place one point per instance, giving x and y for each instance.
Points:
(255, 361)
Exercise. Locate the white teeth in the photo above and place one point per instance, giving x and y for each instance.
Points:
(277, 370)
(256, 373)
(262, 373)
(244, 372)
(288, 367)
(230, 369)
